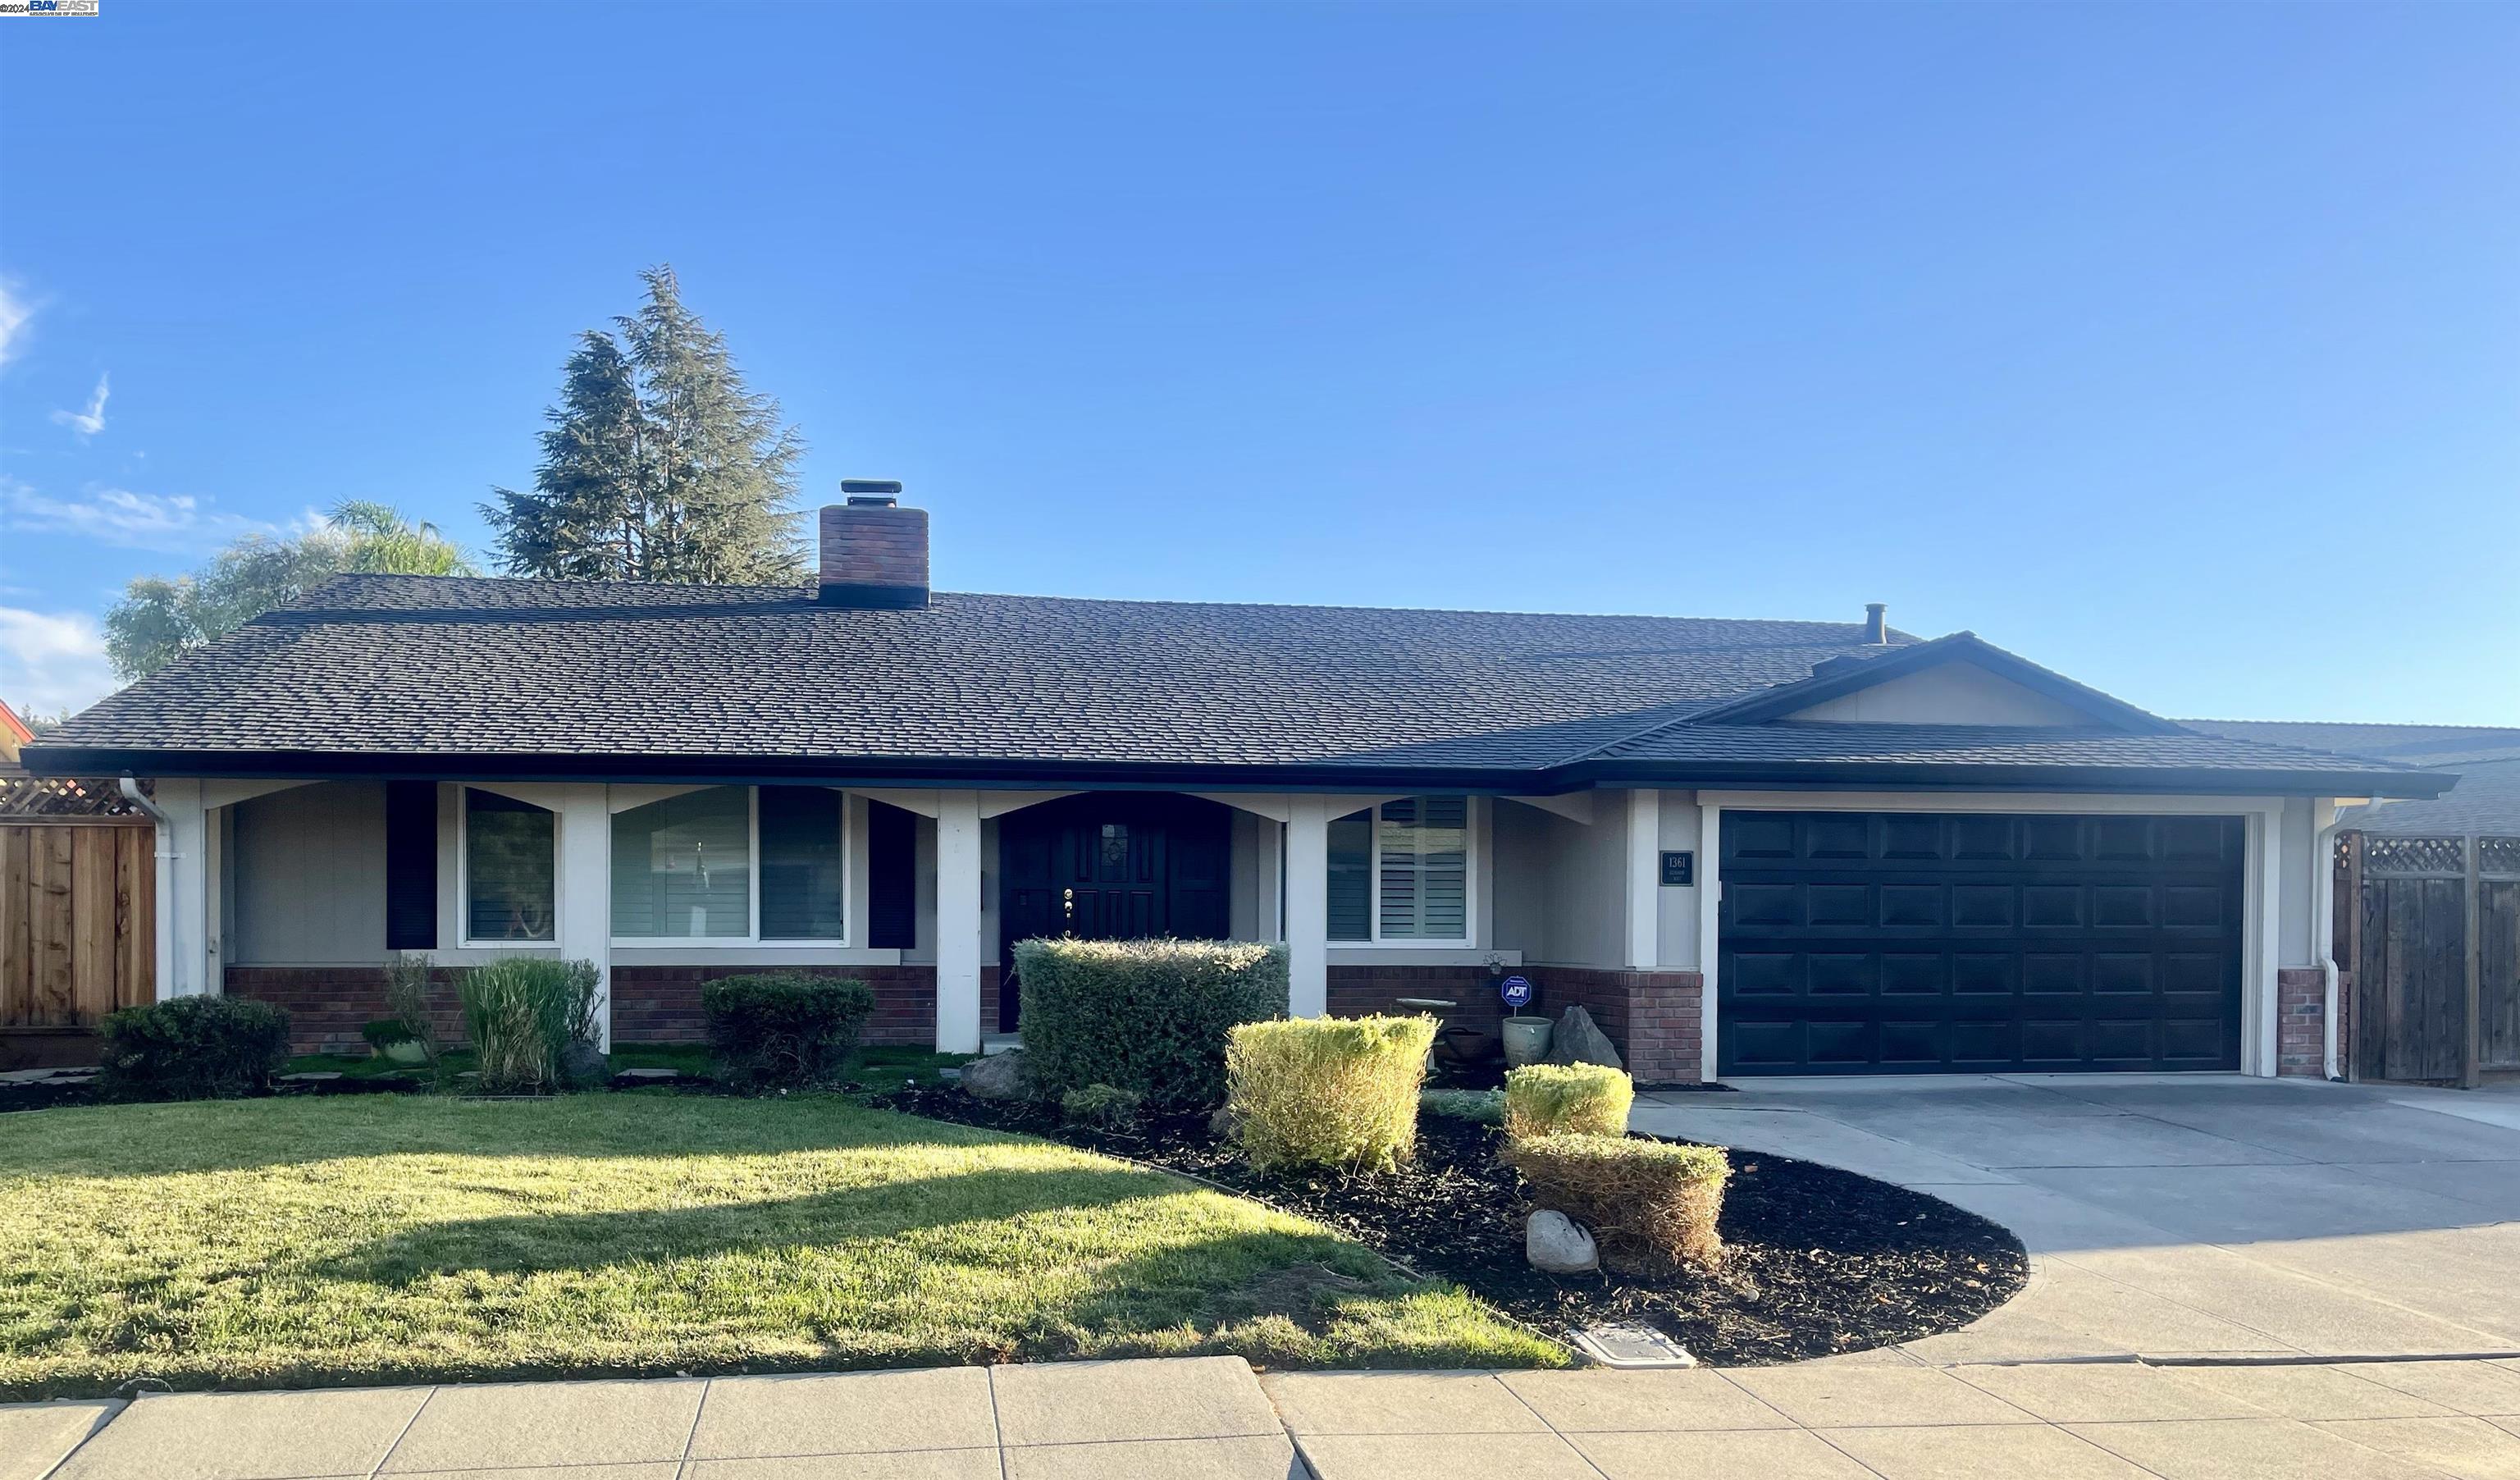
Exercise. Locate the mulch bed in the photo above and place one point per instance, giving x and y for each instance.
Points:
(1818, 1260)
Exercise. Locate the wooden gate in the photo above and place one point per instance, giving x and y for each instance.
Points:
(78, 915)
(2430, 929)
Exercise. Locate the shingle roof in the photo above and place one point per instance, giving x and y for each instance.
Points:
(410, 666)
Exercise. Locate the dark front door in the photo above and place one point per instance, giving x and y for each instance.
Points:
(1909, 943)
(1109, 866)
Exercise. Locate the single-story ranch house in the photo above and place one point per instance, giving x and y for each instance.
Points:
(1745, 847)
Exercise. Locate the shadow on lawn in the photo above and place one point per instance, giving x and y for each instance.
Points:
(539, 1242)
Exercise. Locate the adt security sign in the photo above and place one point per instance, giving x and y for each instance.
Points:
(1516, 990)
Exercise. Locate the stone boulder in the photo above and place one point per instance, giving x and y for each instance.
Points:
(583, 1066)
(998, 1076)
(1556, 1244)
(1579, 1040)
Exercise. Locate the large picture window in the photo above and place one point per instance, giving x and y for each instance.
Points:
(509, 869)
(732, 864)
(1401, 872)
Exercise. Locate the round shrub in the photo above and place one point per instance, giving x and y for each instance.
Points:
(1582, 1098)
(1651, 1204)
(1335, 1093)
(1145, 1015)
(783, 1028)
(192, 1047)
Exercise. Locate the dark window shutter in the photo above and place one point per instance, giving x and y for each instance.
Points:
(411, 865)
(893, 881)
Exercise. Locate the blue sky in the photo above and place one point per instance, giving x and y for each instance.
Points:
(2177, 348)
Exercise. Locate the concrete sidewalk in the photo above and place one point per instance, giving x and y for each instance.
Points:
(1210, 1418)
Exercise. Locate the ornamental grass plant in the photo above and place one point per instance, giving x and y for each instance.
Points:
(522, 1013)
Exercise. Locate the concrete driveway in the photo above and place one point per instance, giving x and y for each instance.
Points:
(2184, 1216)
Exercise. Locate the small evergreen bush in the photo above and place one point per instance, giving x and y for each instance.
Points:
(1651, 1204)
(1336, 1092)
(524, 1012)
(783, 1028)
(1104, 1108)
(1484, 1107)
(192, 1047)
(1145, 1015)
(1579, 1098)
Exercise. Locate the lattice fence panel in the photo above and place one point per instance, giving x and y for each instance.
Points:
(2414, 857)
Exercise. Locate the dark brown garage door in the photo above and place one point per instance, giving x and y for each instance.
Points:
(1915, 943)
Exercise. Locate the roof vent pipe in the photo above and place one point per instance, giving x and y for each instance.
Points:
(1877, 623)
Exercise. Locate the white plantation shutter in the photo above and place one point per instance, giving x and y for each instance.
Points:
(1426, 867)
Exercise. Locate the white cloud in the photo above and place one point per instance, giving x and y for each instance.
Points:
(50, 661)
(90, 422)
(171, 524)
(15, 311)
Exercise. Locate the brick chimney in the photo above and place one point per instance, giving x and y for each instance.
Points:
(874, 552)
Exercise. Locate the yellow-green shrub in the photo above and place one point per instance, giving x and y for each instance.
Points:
(1327, 1092)
(1650, 1203)
(1576, 1098)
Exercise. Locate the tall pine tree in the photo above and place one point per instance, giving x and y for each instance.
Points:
(660, 465)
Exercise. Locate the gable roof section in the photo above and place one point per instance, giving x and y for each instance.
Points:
(490, 678)
(1838, 679)
(2406, 745)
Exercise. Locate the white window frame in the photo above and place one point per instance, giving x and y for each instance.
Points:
(464, 875)
(1474, 827)
(752, 939)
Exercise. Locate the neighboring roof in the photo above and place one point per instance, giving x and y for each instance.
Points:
(464, 676)
(2408, 744)
(2485, 798)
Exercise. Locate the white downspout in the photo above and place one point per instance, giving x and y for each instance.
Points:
(167, 915)
(2322, 926)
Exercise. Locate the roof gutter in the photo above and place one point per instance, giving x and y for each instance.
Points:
(1359, 775)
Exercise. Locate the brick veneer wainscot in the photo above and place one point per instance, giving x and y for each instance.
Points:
(329, 1004)
(1652, 1017)
(2301, 1022)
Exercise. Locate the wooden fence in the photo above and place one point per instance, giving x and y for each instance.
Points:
(2429, 928)
(77, 925)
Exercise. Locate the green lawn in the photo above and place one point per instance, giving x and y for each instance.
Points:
(276, 1242)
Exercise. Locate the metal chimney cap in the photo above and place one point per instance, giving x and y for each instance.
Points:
(872, 493)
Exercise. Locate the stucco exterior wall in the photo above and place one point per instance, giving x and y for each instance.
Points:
(307, 876)
(1954, 693)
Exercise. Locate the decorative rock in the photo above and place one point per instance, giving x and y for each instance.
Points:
(1556, 1244)
(583, 1064)
(1579, 1040)
(998, 1076)
(1224, 1125)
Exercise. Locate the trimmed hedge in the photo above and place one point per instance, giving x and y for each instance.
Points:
(192, 1047)
(525, 1012)
(782, 1028)
(1582, 1098)
(1339, 1093)
(1145, 1015)
(1651, 1204)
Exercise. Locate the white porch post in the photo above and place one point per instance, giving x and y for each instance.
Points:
(958, 923)
(184, 966)
(585, 890)
(1710, 918)
(1645, 880)
(1308, 907)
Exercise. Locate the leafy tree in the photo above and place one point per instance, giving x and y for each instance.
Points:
(161, 618)
(658, 465)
